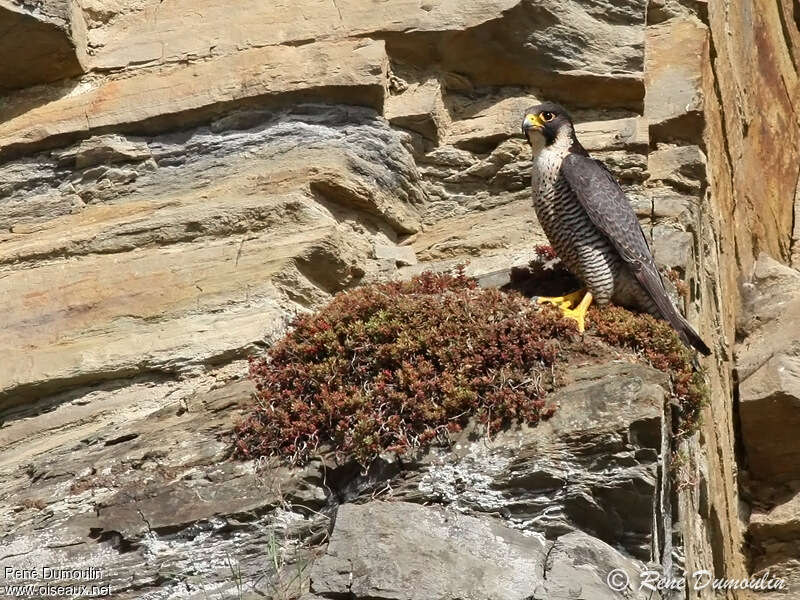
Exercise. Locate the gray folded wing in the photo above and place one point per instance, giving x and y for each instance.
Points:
(609, 210)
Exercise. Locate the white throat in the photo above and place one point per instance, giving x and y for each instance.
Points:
(547, 159)
(537, 143)
(559, 147)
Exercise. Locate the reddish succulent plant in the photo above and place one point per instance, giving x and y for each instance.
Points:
(395, 366)
(545, 253)
(660, 346)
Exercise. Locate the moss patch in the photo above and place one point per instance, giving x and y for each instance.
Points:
(399, 365)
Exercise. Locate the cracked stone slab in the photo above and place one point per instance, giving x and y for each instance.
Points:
(403, 551)
(151, 502)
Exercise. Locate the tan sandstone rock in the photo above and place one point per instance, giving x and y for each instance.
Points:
(152, 32)
(757, 138)
(347, 71)
(768, 363)
(675, 51)
(420, 107)
(39, 43)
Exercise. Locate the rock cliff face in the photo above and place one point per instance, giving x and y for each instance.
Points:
(176, 181)
(768, 371)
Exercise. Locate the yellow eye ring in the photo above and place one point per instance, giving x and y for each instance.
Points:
(547, 116)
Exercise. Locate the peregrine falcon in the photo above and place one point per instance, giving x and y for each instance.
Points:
(592, 227)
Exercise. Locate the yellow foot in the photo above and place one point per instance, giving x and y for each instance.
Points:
(578, 314)
(563, 302)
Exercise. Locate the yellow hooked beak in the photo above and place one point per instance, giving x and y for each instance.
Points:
(531, 122)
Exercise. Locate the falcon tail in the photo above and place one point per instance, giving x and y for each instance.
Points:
(685, 331)
(651, 281)
(688, 335)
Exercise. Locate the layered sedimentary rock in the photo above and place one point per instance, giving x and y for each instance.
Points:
(190, 177)
(196, 245)
(183, 94)
(153, 504)
(751, 89)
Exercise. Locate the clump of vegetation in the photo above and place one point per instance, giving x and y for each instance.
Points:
(399, 365)
(680, 285)
(33, 503)
(395, 365)
(545, 253)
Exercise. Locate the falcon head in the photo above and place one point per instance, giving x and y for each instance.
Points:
(545, 123)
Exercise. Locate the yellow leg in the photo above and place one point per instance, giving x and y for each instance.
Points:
(579, 312)
(563, 302)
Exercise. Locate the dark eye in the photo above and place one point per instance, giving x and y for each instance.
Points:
(548, 116)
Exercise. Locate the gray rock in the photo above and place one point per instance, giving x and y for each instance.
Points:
(769, 409)
(578, 566)
(151, 502)
(773, 533)
(554, 46)
(576, 471)
(630, 133)
(674, 74)
(155, 507)
(671, 207)
(104, 149)
(401, 551)
(768, 364)
(673, 248)
(682, 167)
